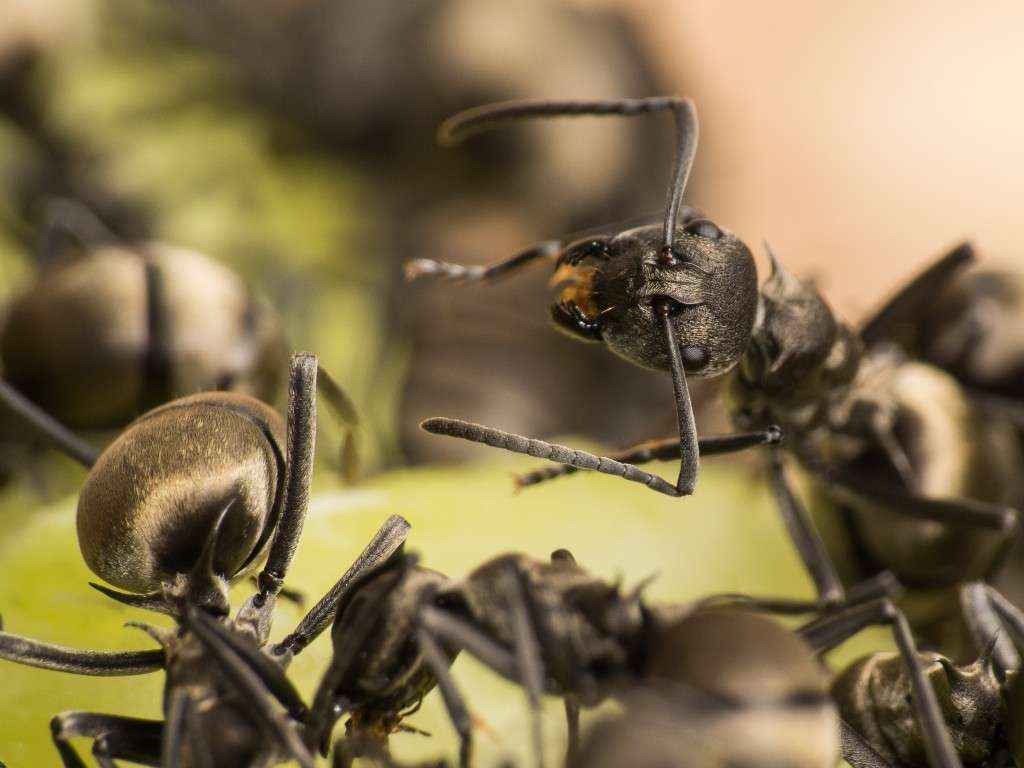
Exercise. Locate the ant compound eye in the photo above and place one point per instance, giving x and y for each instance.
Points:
(694, 357)
(704, 228)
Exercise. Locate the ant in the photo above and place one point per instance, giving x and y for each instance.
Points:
(681, 297)
(110, 328)
(191, 497)
(855, 413)
(383, 664)
(980, 699)
(552, 627)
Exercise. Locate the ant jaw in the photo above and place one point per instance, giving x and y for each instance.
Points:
(207, 594)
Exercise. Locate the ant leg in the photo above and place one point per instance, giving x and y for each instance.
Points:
(804, 535)
(875, 588)
(572, 726)
(46, 427)
(997, 406)
(826, 633)
(439, 663)
(445, 270)
(523, 668)
(382, 547)
(857, 752)
(66, 220)
(33, 653)
(904, 308)
(465, 636)
(183, 727)
(232, 648)
(986, 627)
(114, 736)
(298, 474)
(251, 687)
(176, 728)
(529, 664)
(960, 511)
(296, 596)
(1011, 616)
(659, 450)
(345, 411)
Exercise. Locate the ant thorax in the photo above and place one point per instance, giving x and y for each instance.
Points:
(801, 361)
(583, 618)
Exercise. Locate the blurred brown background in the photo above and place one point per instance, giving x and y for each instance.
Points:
(294, 140)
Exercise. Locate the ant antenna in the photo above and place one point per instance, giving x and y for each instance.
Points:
(456, 129)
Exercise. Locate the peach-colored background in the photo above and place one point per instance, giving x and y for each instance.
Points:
(859, 138)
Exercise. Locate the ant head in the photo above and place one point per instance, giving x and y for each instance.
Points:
(707, 277)
(794, 337)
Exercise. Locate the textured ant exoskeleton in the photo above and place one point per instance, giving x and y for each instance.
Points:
(848, 409)
(192, 496)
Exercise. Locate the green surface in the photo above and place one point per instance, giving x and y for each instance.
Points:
(725, 538)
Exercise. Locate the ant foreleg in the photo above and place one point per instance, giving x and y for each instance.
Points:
(302, 388)
(233, 648)
(386, 542)
(260, 692)
(182, 728)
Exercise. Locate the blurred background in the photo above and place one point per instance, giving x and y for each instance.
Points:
(293, 141)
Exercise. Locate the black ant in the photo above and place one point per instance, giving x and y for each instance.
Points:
(110, 328)
(683, 297)
(191, 497)
(553, 628)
